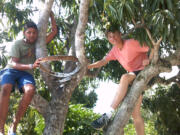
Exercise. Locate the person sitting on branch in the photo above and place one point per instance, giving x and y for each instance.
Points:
(133, 58)
(19, 70)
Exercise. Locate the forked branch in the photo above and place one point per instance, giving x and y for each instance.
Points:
(156, 44)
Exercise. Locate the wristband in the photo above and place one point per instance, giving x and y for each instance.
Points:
(31, 66)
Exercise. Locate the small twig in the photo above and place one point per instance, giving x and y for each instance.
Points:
(159, 41)
(142, 20)
(150, 36)
(134, 22)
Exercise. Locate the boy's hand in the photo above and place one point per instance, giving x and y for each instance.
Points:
(89, 66)
(146, 62)
(37, 63)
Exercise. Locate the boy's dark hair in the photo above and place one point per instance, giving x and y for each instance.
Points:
(30, 24)
(112, 28)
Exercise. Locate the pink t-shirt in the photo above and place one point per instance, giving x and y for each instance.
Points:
(130, 56)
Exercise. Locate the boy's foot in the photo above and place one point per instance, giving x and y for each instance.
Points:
(100, 122)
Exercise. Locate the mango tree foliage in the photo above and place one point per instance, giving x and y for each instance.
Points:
(78, 121)
(165, 105)
(15, 17)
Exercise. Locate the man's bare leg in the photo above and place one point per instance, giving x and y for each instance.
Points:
(126, 79)
(29, 91)
(4, 103)
(138, 120)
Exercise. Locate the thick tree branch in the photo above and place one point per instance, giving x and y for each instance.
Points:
(175, 58)
(72, 38)
(41, 49)
(156, 51)
(79, 44)
(80, 31)
(150, 36)
(155, 80)
(40, 104)
(70, 66)
(125, 110)
(156, 46)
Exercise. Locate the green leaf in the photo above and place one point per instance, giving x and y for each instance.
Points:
(169, 15)
(131, 12)
(169, 4)
(120, 13)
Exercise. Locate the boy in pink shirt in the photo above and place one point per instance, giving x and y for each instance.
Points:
(130, 56)
(133, 57)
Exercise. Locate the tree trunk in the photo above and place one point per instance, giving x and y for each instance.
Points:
(55, 111)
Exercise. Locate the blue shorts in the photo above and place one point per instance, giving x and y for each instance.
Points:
(13, 76)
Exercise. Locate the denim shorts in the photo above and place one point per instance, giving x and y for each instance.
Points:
(13, 76)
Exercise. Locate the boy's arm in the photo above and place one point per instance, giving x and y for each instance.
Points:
(98, 64)
(14, 63)
(54, 31)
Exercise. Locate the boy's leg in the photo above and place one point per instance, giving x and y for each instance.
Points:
(29, 91)
(4, 103)
(138, 120)
(126, 79)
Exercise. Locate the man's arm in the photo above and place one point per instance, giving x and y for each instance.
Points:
(54, 31)
(98, 64)
(16, 65)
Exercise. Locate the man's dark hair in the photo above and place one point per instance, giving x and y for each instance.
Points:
(113, 28)
(30, 24)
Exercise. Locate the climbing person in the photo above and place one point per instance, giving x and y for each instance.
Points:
(19, 70)
(133, 58)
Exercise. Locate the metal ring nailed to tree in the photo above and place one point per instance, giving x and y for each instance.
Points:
(66, 76)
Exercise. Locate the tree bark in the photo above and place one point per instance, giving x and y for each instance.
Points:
(55, 111)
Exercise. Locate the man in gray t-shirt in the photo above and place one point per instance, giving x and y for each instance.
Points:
(20, 71)
(25, 52)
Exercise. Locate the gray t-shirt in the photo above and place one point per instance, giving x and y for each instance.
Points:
(24, 51)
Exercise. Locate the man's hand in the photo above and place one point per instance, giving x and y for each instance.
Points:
(37, 63)
(146, 62)
(98, 64)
